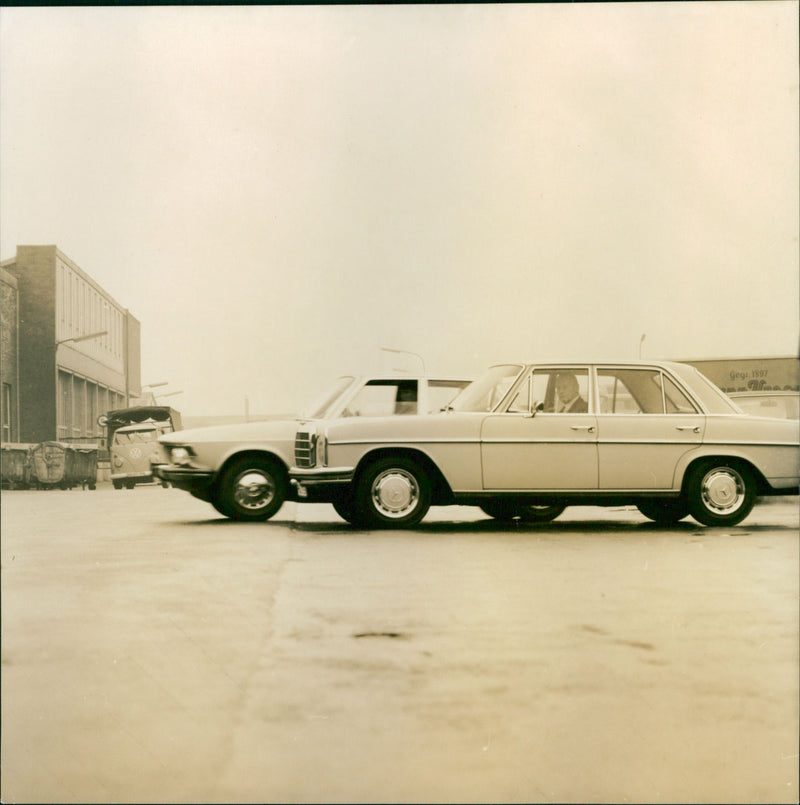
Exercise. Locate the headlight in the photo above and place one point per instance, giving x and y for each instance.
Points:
(322, 449)
(180, 455)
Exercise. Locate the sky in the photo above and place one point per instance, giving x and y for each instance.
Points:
(278, 192)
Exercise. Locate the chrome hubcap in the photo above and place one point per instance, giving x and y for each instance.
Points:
(723, 490)
(253, 490)
(395, 493)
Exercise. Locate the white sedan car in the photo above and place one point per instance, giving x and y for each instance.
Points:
(528, 440)
(243, 469)
(778, 404)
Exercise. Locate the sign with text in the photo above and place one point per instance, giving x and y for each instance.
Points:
(751, 374)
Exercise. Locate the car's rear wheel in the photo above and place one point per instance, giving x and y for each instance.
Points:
(508, 510)
(665, 511)
(392, 492)
(541, 514)
(720, 493)
(251, 488)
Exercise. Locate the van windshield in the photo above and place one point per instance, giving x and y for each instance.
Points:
(134, 436)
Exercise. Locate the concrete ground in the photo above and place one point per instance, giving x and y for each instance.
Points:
(155, 652)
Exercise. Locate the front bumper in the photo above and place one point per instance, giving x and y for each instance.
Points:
(129, 476)
(320, 483)
(186, 478)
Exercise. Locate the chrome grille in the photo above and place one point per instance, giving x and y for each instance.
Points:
(305, 449)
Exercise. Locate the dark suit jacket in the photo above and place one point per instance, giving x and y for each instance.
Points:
(579, 406)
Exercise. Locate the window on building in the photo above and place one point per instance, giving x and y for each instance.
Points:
(65, 404)
(7, 415)
(91, 409)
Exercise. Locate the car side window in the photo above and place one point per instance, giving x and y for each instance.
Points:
(562, 390)
(384, 398)
(615, 396)
(677, 402)
(640, 391)
(441, 393)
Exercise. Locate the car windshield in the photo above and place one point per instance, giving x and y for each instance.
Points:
(487, 391)
(325, 401)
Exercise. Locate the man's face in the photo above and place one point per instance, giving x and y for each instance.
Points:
(566, 387)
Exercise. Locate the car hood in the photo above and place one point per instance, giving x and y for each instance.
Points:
(237, 432)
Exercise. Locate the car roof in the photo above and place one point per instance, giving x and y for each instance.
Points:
(594, 362)
(405, 376)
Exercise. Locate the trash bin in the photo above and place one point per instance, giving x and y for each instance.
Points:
(15, 465)
(65, 465)
(83, 468)
(50, 464)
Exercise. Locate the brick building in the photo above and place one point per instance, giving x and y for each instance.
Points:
(70, 352)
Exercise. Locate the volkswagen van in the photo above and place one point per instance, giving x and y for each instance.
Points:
(132, 440)
(132, 447)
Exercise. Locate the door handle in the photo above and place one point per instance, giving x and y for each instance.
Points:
(590, 428)
(694, 428)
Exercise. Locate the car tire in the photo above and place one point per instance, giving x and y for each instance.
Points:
(499, 509)
(508, 510)
(391, 493)
(665, 511)
(541, 514)
(346, 509)
(251, 488)
(720, 493)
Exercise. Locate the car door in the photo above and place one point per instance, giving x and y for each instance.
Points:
(645, 423)
(525, 449)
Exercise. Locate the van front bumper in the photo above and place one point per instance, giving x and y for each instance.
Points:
(121, 476)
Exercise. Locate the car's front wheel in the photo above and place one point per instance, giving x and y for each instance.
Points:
(508, 510)
(346, 509)
(720, 493)
(251, 488)
(667, 511)
(392, 492)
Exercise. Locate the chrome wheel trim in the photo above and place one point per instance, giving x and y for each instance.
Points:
(253, 490)
(395, 493)
(722, 491)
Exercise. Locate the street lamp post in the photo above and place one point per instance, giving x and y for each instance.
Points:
(407, 352)
(77, 338)
(168, 394)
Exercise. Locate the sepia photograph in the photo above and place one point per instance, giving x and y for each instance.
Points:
(400, 403)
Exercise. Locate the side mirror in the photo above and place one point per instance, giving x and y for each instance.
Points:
(537, 407)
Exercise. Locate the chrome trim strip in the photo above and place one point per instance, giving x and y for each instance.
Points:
(599, 440)
(590, 492)
(392, 442)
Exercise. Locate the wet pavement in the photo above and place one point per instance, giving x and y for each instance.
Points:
(155, 652)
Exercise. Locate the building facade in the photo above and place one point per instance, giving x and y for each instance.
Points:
(9, 356)
(74, 351)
